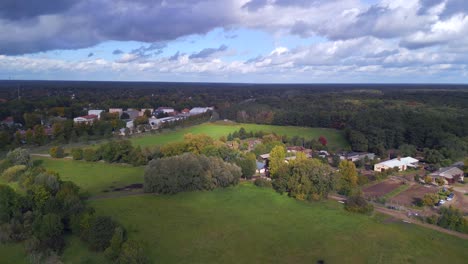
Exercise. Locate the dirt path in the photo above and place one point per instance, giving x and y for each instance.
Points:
(47, 156)
(402, 216)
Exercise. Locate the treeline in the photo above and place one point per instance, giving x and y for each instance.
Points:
(48, 209)
(189, 172)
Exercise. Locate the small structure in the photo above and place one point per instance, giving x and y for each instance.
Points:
(261, 167)
(87, 119)
(132, 113)
(449, 174)
(166, 110)
(355, 156)
(265, 156)
(116, 110)
(129, 124)
(95, 112)
(401, 163)
(200, 110)
(185, 111)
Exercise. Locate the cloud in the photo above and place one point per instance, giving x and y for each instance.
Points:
(117, 52)
(208, 52)
(90, 54)
(22, 9)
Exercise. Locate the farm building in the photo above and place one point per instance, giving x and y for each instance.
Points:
(401, 163)
(449, 174)
(200, 110)
(355, 156)
(95, 112)
(87, 119)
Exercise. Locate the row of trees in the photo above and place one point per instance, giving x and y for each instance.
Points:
(48, 208)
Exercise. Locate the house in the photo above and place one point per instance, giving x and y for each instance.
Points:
(355, 156)
(116, 110)
(200, 110)
(95, 112)
(261, 167)
(87, 119)
(265, 156)
(132, 113)
(449, 174)
(401, 163)
(185, 111)
(166, 110)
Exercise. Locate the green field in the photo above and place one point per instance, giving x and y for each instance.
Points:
(335, 138)
(94, 177)
(12, 254)
(246, 224)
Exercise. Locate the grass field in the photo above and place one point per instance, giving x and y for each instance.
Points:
(335, 138)
(12, 254)
(94, 177)
(246, 224)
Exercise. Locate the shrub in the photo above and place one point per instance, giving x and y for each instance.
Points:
(452, 218)
(101, 232)
(77, 153)
(90, 154)
(362, 180)
(13, 173)
(357, 204)
(260, 182)
(132, 253)
(57, 152)
(431, 219)
(430, 199)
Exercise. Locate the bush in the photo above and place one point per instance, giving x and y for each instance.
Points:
(430, 199)
(260, 182)
(132, 253)
(357, 204)
(57, 152)
(77, 153)
(13, 173)
(90, 154)
(362, 180)
(101, 232)
(452, 218)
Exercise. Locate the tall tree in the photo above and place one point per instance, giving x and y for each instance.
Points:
(348, 177)
(276, 161)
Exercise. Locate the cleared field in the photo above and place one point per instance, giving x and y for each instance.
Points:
(382, 188)
(413, 194)
(95, 177)
(246, 224)
(335, 137)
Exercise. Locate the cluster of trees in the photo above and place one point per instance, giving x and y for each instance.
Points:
(189, 172)
(205, 145)
(47, 209)
(301, 178)
(450, 218)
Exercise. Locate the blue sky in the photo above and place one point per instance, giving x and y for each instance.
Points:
(330, 41)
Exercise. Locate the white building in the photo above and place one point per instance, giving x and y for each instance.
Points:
(166, 110)
(87, 119)
(401, 163)
(129, 124)
(95, 112)
(200, 110)
(116, 110)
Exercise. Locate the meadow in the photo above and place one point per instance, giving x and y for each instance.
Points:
(247, 224)
(94, 177)
(335, 137)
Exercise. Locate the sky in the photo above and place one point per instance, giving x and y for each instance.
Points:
(252, 41)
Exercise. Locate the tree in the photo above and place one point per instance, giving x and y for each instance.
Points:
(358, 141)
(9, 203)
(19, 156)
(124, 116)
(407, 150)
(90, 154)
(248, 165)
(101, 232)
(147, 113)
(132, 253)
(141, 120)
(430, 199)
(40, 136)
(113, 251)
(357, 203)
(452, 218)
(323, 141)
(276, 161)
(348, 177)
(57, 152)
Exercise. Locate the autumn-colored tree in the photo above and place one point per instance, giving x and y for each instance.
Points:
(196, 143)
(276, 161)
(348, 177)
(323, 140)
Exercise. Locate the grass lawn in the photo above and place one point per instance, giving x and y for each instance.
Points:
(13, 253)
(247, 224)
(397, 191)
(94, 177)
(335, 138)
